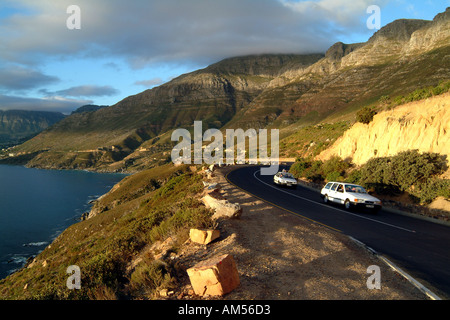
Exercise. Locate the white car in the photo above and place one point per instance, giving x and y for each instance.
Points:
(285, 179)
(350, 195)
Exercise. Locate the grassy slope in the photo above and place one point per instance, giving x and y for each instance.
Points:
(103, 246)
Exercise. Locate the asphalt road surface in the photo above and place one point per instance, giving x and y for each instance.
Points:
(420, 248)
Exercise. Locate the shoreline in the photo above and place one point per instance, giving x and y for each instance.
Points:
(20, 260)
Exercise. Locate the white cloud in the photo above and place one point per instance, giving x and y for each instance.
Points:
(198, 31)
(83, 91)
(60, 104)
(17, 78)
(149, 83)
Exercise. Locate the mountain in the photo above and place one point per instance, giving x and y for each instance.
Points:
(261, 91)
(88, 108)
(17, 126)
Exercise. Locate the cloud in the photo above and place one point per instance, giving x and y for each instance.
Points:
(112, 65)
(149, 83)
(343, 12)
(16, 78)
(59, 104)
(173, 31)
(83, 91)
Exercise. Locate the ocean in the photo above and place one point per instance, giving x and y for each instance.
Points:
(37, 205)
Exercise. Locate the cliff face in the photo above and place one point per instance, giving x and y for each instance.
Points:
(399, 58)
(422, 125)
(254, 92)
(19, 124)
(214, 95)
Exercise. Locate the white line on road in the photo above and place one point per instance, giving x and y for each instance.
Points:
(306, 199)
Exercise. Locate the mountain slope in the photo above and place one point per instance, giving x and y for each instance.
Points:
(281, 91)
(17, 125)
(212, 95)
(402, 56)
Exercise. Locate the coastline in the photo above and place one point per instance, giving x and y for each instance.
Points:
(25, 249)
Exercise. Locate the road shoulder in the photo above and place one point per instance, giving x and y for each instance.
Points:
(284, 257)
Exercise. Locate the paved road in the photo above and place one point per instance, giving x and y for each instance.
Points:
(421, 248)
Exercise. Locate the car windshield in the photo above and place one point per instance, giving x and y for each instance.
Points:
(354, 188)
(287, 175)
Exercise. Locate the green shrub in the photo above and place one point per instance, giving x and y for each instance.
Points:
(384, 99)
(433, 188)
(102, 269)
(334, 176)
(315, 172)
(418, 94)
(333, 169)
(354, 176)
(366, 114)
(377, 174)
(409, 171)
(299, 167)
(412, 168)
(335, 165)
(148, 276)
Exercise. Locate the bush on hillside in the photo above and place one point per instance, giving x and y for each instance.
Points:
(365, 115)
(333, 169)
(315, 172)
(299, 167)
(335, 165)
(409, 171)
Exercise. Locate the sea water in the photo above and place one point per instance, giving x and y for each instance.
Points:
(37, 205)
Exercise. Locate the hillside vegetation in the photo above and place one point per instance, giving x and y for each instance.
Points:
(288, 92)
(374, 113)
(17, 126)
(141, 210)
(397, 146)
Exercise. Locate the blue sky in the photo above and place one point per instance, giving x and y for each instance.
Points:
(126, 47)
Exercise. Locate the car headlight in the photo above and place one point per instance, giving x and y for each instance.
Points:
(359, 200)
(378, 202)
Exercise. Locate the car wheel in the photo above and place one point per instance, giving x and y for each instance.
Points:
(325, 198)
(347, 204)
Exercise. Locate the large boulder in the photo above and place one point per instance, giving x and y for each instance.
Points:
(203, 236)
(222, 207)
(215, 277)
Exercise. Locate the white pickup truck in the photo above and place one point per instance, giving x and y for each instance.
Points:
(350, 195)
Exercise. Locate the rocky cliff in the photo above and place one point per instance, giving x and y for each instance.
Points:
(400, 57)
(257, 91)
(16, 125)
(422, 125)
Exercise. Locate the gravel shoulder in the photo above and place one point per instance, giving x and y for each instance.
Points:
(280, 256)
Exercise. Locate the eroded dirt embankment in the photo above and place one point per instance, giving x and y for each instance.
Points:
(423, 125)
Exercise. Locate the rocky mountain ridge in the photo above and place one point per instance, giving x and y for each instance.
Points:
(259, 91)
(17, 125)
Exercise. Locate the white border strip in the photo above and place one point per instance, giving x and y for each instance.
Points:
(416, 283)
(394, 267)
